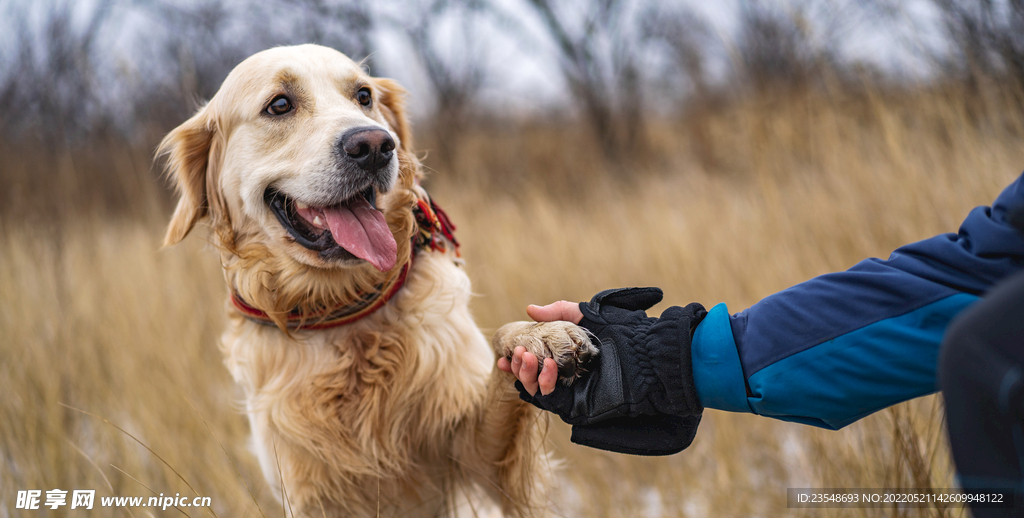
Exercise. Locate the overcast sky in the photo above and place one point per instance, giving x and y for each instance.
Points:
(519, 57)
(523, 72)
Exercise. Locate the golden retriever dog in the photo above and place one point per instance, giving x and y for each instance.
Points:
(369, 389)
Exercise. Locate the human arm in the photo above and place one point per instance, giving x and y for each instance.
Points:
(841, 346)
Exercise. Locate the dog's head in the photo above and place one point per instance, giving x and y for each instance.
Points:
(301, 153)
(303, 165)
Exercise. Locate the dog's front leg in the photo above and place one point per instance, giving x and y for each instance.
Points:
(502, 450)
(505, 443)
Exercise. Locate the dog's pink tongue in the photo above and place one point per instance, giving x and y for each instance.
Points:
(362, 230)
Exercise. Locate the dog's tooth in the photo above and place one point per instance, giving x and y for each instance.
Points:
(317, 221)
(301, 205)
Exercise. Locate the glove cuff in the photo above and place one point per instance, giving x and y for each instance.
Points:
(642, 435)
(669, 344)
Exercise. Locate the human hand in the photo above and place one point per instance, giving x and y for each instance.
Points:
(524, 364)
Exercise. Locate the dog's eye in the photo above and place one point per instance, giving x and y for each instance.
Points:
(363, 97)
(279, 106)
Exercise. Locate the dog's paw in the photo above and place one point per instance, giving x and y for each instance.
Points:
(568, 343)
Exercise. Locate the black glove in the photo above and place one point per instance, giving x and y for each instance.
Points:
(643, 435)
(643, 369)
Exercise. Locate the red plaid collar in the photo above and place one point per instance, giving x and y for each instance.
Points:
(436, 232)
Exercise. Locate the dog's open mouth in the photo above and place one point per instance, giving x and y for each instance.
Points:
(351, 229)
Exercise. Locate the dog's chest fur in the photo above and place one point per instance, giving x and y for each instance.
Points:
(351, 410)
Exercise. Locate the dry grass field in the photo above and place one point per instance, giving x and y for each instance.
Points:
(111, 378)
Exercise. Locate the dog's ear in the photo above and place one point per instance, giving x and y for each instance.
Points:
(193, 155)
(392, 100)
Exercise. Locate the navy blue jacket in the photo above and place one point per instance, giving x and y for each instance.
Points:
(838, 347)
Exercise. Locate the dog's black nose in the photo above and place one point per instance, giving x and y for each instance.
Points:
(370, 148)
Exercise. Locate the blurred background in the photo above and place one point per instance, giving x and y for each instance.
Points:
(720, 150)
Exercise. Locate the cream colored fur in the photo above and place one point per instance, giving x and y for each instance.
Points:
(402, 413)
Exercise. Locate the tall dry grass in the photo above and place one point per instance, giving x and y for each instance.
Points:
(94, 316)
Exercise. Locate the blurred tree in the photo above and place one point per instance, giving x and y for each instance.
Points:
(205, 40)
(797, 44)
(77, 67)
(687, 37)
(599, 55)
(444, 37)
(49, 69)
(192, 60)
(689, 44)
(775, 49)
(345, 25)
(987, 38)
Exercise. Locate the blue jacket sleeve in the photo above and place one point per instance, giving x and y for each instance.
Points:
(838, 347)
